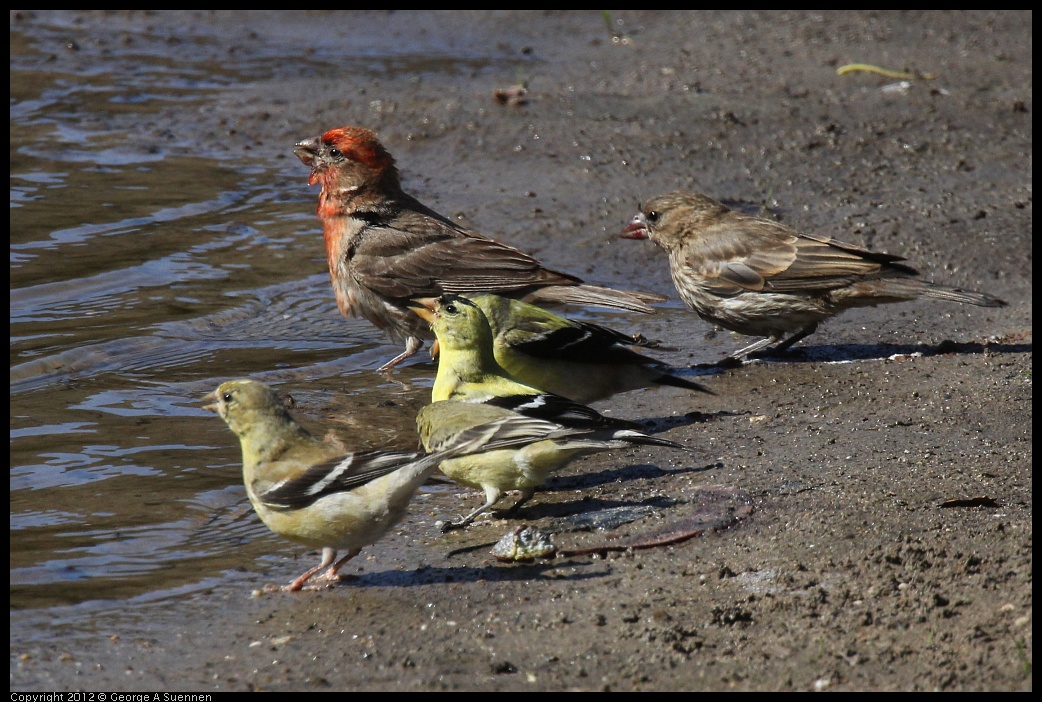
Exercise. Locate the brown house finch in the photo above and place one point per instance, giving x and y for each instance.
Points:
(757, 277)
(386, 248)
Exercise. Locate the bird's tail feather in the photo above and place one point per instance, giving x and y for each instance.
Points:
(632, 300)
(638, 437)
(971, 297)
(515, 431)
(619, 438)
(898, 289)
(674, 381)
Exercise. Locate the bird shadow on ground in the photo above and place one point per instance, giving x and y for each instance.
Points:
(849, 353)
(657, 425)
(669, 521)
(621, 474)
(591, 513)
(588, 504)
(526, 570)
(534, 511)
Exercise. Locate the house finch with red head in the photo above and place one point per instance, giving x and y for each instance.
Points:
(757, 277)
(386, 248)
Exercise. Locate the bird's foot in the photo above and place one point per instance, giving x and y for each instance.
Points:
(333, 577)
(322, 582)
(454, 524)
(329, 584)
(723, 363)
(294, 586)
(330, 577)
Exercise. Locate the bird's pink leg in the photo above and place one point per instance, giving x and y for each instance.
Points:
(328, 555)
(413, 345)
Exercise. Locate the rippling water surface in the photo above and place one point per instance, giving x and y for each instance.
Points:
(140, 279)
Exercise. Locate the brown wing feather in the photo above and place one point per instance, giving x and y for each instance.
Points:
(401, 264)
(746, 255)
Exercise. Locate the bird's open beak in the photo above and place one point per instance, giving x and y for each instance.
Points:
(307, 152)
(425, 307)
(636, 229)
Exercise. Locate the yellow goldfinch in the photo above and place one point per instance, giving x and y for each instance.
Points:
(315, 494)
(582, 361)
(471, 389)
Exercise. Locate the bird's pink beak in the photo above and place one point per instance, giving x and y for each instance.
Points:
(636, 229)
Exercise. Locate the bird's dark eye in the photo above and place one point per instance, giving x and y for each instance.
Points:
(227, 397)
(451, 308)
(336, 153)
(652, 216)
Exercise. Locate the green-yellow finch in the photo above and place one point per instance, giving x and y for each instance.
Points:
(313, 493)
(471, 388)
(582, 361)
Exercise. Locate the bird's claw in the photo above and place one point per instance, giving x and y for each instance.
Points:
(452, 525)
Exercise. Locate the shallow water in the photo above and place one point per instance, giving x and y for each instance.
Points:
(140, 279)
(148, 265)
